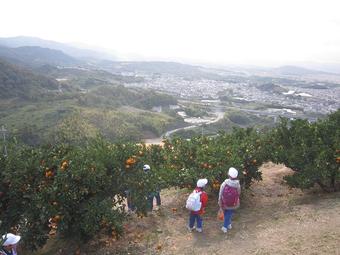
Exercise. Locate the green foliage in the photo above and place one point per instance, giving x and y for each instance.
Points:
(195, 111)
(115, 125)
(63, 121)
(37, 109)
(85, 78)
(79, 191)
(189, 160)
(244, 119)
(311, 150)
(115, 112)
(118, 95)
(232, 119)
(73, 191)
(16, 82)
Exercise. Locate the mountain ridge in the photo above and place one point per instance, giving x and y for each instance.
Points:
(35, 56)
(19, 41)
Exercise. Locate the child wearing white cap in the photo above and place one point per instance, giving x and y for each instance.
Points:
(195, 215)
(154, 194)
(229, 198)
(9, 247)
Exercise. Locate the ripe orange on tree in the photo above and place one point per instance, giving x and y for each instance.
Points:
(338, 160)
(131, 161)
(64, 165)
(48, 173)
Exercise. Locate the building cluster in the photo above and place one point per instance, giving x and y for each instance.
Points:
(301, 98)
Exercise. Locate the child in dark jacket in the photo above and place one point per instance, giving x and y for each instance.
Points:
(196, 215)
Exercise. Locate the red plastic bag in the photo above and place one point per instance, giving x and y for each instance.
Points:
(220, 215)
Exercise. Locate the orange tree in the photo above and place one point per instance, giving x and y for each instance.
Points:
(211, 157)
(18, 188)
(77, 191)
(71, 191)
(312, 150)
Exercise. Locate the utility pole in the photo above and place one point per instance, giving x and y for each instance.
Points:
(4, 131)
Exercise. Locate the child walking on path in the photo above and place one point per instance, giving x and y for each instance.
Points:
(195, 215)
(229, 198)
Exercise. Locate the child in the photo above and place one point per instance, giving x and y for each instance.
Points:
(154, 194)
(196, 215)
(229, 198)
(9, 247)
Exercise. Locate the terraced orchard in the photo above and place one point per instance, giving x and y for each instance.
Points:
(76, 192)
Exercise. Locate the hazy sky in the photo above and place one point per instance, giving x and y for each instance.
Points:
(226, 31)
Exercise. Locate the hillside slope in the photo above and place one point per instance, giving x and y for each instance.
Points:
(17, 82)
(273, 219)
(33, 56)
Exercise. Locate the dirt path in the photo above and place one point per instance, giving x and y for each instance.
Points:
(273, 219)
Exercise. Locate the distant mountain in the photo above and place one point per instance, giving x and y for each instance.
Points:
(34, 56)
(21, 41)
(325, 67)
(295, 70)
(17, 82)
(84, 77)
(158, 67)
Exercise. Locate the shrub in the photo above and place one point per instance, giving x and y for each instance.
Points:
(312, 150)
(204, 157)
(71, 191)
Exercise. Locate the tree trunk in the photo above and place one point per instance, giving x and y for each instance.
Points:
(333, 182)
(324, 187)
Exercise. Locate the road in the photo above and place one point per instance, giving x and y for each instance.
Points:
(158, 140)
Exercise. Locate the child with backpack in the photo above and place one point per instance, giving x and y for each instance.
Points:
(196, 203)
(229, 198)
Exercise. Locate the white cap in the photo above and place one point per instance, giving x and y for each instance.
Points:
(10, 239)
(201, 183)
(233, 173)
(146, 168)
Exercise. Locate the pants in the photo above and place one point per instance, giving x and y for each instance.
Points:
(197, 218)
(227, 217)
(131, 206)
(151, 197)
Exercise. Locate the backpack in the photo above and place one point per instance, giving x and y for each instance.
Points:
(230, 197)
(194, 201)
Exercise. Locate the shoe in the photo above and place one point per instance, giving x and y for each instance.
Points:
(224, 230)
(199, 230)
(190, 229)
(229, 227)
